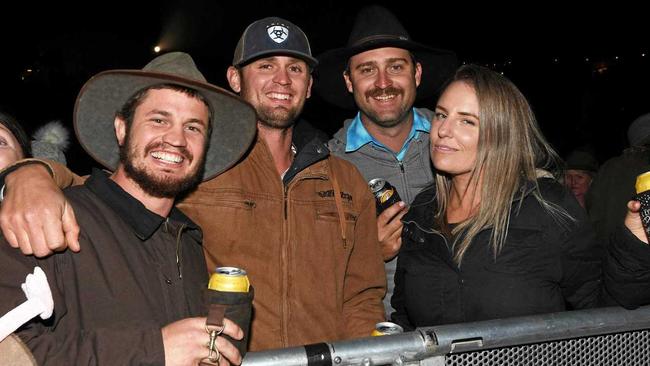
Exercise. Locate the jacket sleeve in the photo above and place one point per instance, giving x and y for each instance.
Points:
(582, 255)
(627, 269)
(399, 316)
(60, 340)
(63, 177)
(365, 279)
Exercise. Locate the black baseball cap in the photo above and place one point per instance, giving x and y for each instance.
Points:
(272, 36)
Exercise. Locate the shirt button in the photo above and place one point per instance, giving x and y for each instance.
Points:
(168, 281)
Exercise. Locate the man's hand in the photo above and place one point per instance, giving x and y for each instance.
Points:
(35, 216)
(186, 342)
(633, 221)
(389, 229)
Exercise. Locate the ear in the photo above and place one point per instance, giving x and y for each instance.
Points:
(418, 74)
(348, 82)
(234, 79)
(120, 130)
(311, 82)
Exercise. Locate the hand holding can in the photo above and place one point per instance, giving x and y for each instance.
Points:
(229, 295)
(643, 196)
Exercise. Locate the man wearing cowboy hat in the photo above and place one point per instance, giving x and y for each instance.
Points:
(133, 294)
(300, 221)
(378, 73)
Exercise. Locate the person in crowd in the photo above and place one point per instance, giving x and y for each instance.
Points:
(381, 73)
(489, 239)
(133, 295)
(300, 221)
(50, 141)
(613, 186)
(580, 169)
(14, 143)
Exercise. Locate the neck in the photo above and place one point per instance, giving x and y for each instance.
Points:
(392, 137)
(464, 198)
(278, 141)
(160, 206)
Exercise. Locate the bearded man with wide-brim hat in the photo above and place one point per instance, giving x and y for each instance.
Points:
(133, 292)
(382, 72)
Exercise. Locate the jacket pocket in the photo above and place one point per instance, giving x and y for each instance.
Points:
(329, 216)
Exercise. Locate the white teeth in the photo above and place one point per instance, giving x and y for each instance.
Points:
(385, 97)
(279, 96)
(172, 158)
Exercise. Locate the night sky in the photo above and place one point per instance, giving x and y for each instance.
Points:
(583, 70)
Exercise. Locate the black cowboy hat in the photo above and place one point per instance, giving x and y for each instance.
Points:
(233, 120)
(376, 27)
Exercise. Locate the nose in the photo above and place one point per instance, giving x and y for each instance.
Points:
(383, 80)
(282, 77)
(444, 128)
(175, 135)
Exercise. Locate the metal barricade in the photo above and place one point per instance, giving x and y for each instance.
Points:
(605, 336)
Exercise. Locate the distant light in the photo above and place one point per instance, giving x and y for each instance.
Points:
(587, 59)
(616, 58)
(556, 59)
(156, 49)
(29, 70)
(643, 55)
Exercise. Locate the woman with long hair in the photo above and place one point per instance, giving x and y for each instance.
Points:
(495, 235)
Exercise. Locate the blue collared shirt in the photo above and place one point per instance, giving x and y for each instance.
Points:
(358, 136)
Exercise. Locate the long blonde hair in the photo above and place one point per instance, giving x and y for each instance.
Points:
(511, 149)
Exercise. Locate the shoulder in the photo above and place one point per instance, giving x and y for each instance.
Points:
(424, 204)
(425, 113)
(337, 143)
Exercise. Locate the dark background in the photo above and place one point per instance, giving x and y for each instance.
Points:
(585, 69)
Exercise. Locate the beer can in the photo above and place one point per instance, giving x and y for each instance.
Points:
(386, 328)
(385, 194)
(229, 279)
(643, 196)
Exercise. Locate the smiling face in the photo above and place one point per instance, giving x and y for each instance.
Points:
(384, 83)
(277, 87)
(163, 149)
(10, 150)
(455, 130)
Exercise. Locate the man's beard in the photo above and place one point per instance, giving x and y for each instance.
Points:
(277, 117)
(158, 186)
(384, 120)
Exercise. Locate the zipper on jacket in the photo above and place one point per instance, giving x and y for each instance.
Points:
(401, 166)
(284, 197)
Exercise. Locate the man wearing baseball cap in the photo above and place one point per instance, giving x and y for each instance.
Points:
(132, 295)
(300, 221)
(382, 72)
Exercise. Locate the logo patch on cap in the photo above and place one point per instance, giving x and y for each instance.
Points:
(278, 32)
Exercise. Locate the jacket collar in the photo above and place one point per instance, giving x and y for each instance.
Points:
(132, 211)
(357, 135)
(311, 153)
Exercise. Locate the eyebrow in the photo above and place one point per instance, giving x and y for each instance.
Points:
(461, 113)
(158, 111)
(167, 114)
(389, 61)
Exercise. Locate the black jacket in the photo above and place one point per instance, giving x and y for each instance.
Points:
(136, 272)
(613, 187)
(544, 266)
(627, 269)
